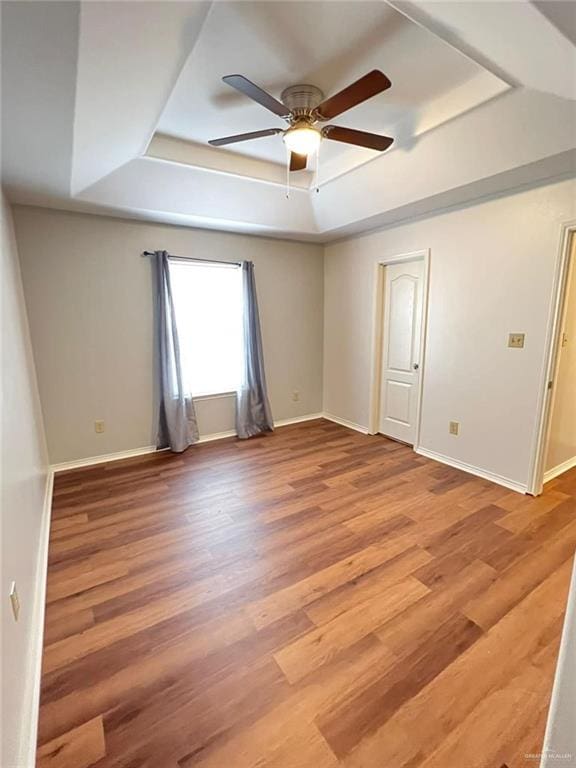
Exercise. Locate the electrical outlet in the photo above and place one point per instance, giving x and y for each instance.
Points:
(295, 396)
(99, 427)
(14, 600)
(454, 427)
(516, 340)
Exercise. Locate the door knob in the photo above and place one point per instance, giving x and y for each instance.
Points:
(415, 366)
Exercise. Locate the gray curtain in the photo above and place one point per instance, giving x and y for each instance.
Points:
(177, 427)
(253, 414)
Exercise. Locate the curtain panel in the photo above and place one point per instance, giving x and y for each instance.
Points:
(253, 414)
(177, 425)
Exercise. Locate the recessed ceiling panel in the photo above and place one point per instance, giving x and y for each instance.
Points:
(327, 44)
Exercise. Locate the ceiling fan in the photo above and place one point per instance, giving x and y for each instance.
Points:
(303, 107)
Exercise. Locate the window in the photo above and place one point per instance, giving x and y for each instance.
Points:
(208, 306)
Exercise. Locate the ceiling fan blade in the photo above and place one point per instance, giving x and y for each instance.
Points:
(244, 137)
(359, 138)
(255, 93)
(298, 162)
(369, 85)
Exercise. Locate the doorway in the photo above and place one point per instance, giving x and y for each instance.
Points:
(556, 453)
(560, 453)
(401, 293)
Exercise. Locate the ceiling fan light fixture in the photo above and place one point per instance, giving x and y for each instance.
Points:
(302, 139)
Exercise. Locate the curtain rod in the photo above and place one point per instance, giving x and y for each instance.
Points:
(203, 261)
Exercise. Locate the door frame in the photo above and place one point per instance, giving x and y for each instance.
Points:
(377, 329)
(549, 372)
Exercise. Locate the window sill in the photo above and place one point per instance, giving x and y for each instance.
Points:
(213, 396)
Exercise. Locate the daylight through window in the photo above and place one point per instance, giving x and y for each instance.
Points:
(208, 306)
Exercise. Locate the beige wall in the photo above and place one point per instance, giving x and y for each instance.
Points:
(89, 296)
(23, 468)
(562, 439)
(492, 268)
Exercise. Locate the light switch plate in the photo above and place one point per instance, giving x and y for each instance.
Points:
(516, 340)
(454, 427)
(99, 427)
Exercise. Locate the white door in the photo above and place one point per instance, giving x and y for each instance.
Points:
(401, 350)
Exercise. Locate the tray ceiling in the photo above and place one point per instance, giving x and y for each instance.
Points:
(107, 107)
(327, 44)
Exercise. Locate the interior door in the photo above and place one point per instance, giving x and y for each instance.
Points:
(401, 350)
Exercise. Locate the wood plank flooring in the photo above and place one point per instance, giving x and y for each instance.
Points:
(309, 599)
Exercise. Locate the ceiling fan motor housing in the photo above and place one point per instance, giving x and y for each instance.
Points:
(302, 100)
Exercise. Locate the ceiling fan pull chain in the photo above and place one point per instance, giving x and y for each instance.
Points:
(288, 153)
(315, 183)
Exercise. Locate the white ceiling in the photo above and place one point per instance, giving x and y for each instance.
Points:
(107, 107)
(277, 44)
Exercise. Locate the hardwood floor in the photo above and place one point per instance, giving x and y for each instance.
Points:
(309, 599)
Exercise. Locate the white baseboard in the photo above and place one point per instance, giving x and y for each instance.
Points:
(103, 459)
(471, 469)
(560, 469)
(30, 719)
(298, 419)
(215, 436)
(345, 423)
(280, 423)
(108, 457)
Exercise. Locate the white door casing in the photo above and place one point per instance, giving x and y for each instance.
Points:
(401, 350)
(536, 482)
